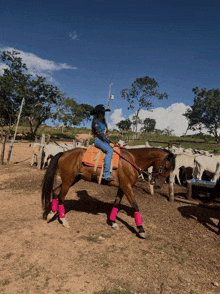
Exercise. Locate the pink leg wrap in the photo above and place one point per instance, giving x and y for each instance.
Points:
(138, 219)
(54, 205)
(113, 214)
(61, 211)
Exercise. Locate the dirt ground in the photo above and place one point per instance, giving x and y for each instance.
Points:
(180, 255)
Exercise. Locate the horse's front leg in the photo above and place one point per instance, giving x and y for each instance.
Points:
(138, 221)
(137, 215)
(114, 211)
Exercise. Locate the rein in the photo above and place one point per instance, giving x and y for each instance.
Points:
(134, 165)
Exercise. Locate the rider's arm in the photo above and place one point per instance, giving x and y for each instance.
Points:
(99, 132)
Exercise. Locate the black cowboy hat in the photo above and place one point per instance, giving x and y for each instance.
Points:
(99, 108)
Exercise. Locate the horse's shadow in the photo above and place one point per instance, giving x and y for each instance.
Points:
(203, 215)
(90, 205)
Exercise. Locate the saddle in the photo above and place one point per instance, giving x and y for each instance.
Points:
(95, 157)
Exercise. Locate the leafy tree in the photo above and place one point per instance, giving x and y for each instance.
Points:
(41, 99)
(135, 122)
(205, 112)
(124, 125)
(12, 88)
(167, 131)
(140, 95)
(72, 113)
(149, 125)
(158, 132)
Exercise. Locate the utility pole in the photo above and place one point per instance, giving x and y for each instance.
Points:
(110, 97)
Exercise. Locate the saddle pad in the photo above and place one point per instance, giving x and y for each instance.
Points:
(92, 154)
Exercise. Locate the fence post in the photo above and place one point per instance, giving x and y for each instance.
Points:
(42, 143)
(171, 187)
(3, 149)
(74, 143)
(170, 145)
(147, 144)
(10, 151)
(88, 141)
(48, 139)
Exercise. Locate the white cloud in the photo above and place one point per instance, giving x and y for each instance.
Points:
(116, 117)
(170, 117)
(37, 65)
(73, 35)
(2, 66)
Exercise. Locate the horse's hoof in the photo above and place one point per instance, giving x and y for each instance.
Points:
(142, 235)
(65, 223)
(115, 226)
(51, 215)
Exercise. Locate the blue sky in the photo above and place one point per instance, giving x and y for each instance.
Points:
(83, 46)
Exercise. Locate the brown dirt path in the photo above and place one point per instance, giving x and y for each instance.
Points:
(181, 254)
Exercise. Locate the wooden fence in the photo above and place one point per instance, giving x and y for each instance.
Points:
(42, 141)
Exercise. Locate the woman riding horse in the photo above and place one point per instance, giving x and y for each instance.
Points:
(102, 141)
(72, 169)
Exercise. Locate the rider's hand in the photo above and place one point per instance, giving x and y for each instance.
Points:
(112, 145)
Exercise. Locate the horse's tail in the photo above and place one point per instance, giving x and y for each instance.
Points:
(48, 181)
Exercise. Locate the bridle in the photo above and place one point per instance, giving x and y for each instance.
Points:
(158, 173)
(160, 170)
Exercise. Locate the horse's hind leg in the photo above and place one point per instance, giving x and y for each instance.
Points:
(54, 210)
(61, 210)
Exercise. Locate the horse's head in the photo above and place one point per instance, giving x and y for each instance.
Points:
(162, 170)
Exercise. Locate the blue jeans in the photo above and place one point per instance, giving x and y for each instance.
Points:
(107, 149)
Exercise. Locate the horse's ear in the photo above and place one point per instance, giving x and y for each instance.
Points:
(170, 156)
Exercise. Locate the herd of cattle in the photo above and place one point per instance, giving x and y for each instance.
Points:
(195, 161)
(48, 151)
(200, 162)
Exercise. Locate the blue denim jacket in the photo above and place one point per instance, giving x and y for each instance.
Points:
(100, 130)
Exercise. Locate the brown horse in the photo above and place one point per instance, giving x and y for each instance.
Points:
(72, 169)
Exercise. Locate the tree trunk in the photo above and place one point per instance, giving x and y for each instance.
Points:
(31, 126)
(2, 131)
(216, 133)
(36, 128)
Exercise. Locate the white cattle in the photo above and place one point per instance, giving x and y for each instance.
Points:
(203, 152)
(182, 160)
(205, 163)
(121, 143)
(51, 150)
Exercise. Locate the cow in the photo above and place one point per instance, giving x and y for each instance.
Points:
(182, 160)
(205, 163)
(51, 150)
